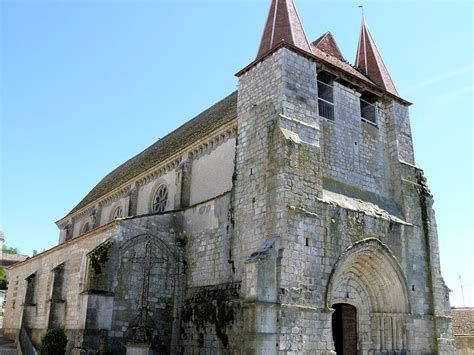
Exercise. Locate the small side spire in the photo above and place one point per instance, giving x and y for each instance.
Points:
(368, 59)
(328, 44)
(283, 25)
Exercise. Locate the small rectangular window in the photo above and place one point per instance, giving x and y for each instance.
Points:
(368, 110)
(325, 91)
(326, 95)
(325, 100)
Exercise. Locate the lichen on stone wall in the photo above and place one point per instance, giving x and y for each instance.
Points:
(212, 307)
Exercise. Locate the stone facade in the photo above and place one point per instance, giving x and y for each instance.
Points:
(273, 222)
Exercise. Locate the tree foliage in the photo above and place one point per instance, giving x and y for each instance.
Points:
(3, 279)
(54, 342)
(9, 250)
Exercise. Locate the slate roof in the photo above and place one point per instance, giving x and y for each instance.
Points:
(214, 117)
(463, 321)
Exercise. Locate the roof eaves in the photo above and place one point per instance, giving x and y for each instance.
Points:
(312, 56)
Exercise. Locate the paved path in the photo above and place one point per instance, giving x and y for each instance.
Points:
(7, 346)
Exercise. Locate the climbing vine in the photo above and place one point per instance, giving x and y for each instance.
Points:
(100, 255)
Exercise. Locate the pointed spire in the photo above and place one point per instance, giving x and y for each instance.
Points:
(328, 44)
(283, 25)
(368, 59)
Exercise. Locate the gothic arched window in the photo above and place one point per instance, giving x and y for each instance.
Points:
(86, 227)
(160, 199)
(118, 213)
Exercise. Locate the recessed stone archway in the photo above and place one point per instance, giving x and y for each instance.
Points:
(368, 277)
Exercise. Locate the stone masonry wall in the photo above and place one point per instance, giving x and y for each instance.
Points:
(284, 84)
(354, 151)
(73, 255)
(208, 231)
(277, 172)
(354, 195)
(212, 173)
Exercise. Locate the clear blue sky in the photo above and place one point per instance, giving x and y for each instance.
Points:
(86, 85)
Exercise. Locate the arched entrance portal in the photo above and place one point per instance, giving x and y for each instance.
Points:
(344, 329)
(368, 278)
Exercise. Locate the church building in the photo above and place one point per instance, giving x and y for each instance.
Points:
(288, 218)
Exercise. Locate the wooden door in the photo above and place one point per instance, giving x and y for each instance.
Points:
(344, 329)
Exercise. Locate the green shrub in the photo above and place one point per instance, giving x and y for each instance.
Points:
(9, 250)
(3, 279)
(54, 342)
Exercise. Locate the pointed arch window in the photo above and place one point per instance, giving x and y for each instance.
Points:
(86, 227)
(160, 199)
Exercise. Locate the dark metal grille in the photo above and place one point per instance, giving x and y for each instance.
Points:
(326, 109)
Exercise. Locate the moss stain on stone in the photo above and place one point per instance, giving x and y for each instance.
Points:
(210, 305)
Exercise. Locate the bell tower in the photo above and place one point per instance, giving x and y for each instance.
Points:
(277, 165)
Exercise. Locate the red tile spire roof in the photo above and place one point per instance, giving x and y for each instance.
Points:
(368, 59)
(328, 44)
(283, 25)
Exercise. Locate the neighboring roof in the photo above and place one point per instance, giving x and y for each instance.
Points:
(214, 117)
(368, 58)
(7, 259)
(463, 321)
(328, 44)
(283, 25)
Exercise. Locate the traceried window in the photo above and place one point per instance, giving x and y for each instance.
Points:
(160, 199)
(86, 227)
(118, 213)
